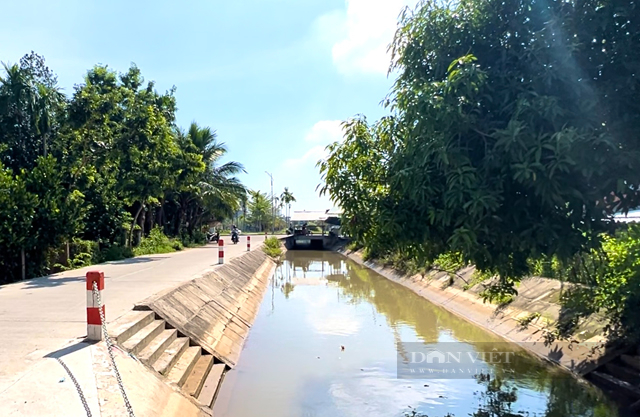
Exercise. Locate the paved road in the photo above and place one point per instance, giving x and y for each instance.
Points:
(40, 316)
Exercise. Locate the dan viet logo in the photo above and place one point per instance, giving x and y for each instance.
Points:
(435, 356)
(454, 360)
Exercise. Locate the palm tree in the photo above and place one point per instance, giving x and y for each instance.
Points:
(218, 193)
(287, 198)
(49, 101)
(259, 209)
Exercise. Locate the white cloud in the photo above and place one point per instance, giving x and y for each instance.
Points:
(320, 135)
(298, 169)
(310, 158)
(368, 27)
(325, 131)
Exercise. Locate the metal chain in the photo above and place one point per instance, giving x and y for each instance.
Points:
(109, 343)
(83, 400)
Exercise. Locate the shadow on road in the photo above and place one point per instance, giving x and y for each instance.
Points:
(48, 282)
(137, 260)
(79, 345)
(56, 281)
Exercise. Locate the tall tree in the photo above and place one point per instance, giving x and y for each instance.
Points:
(31, 105)
(98, 166)
(511, 133)
(287, 198)
(259, 210)
(214, 192)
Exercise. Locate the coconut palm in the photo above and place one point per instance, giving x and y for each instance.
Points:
(259, 210)
(223, 192)
(214, 193)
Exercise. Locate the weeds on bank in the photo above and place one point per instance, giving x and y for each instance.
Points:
(525, 321)
(272, 247)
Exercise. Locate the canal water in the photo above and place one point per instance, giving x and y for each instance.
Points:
(326, 341)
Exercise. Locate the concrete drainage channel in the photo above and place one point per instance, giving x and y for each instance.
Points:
(192, 334)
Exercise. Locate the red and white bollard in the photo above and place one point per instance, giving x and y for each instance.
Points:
(94, 321)
(248, 243)
(220, 251)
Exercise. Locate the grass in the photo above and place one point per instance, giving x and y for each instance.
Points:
(272, 247)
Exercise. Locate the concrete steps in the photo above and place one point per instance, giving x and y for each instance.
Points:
(181, 363)
(632, 361)
(157, 346)
(181, 370)
(620, 378)
(171, 355)
(195, 381)
(143, 337)
(212, 384)
(617, 384)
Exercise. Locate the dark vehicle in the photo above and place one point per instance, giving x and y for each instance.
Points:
(213, 237)
(234, 236)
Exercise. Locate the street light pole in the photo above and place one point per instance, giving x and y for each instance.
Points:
(273, 213)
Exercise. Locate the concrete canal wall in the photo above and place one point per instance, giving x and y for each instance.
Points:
(525, 321)
(178, 344)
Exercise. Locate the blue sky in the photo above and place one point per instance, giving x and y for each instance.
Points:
(274, 78)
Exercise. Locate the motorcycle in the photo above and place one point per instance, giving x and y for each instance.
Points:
(234, 237)
(213, 237)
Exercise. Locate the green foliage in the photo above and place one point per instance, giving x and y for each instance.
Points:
(83, 253)
(611, 283)
(525, 321)
(353, 246)
(260, 211)
(272, 247)
(157, 242)
(450, 262)
(509, 136)
(115, 253)
(195, 239)
(99, 166)
(403, 263)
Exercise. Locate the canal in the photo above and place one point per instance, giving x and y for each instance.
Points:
(325, 343)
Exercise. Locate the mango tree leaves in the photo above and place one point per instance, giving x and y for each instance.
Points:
(512, 136)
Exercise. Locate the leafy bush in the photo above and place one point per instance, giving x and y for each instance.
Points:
(450, 262)
(610, 283)
(354, 246)
(272, 247)
(403, 263)
(157, 242)
(115, 253)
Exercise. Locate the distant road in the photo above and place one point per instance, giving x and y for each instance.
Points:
(41, 315)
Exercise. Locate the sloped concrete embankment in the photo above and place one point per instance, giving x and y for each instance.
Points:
(189, 336)
(525, 321)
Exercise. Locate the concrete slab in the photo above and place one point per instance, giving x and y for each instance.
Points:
(48, 388)
(148, 394)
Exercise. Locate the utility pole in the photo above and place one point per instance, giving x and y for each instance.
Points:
(273, 213)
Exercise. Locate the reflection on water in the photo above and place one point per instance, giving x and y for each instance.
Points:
(293, 363)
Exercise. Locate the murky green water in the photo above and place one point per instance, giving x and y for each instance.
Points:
(293, 364)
